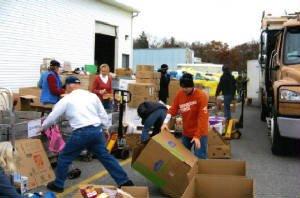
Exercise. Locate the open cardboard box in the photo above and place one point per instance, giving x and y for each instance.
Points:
(166, 163)
(212, 186)
(135, 191)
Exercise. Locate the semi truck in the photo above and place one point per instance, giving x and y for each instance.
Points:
(279, 60)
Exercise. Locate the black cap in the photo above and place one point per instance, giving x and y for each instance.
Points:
(187, 80)
(54, 63)
(164, 67)
(72, 80)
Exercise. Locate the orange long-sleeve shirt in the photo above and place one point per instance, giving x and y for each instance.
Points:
(193, 109)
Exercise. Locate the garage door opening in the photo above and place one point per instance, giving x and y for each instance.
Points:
(105, 50)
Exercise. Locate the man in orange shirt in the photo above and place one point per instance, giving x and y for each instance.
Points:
(191, 104)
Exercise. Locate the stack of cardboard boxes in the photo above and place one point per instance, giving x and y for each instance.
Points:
(178, 173)
(146, 87)
(174, 87)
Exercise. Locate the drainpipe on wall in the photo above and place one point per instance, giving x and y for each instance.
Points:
(134, 14)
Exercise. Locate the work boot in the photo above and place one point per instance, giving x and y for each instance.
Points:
(51, 186)
(128, 183)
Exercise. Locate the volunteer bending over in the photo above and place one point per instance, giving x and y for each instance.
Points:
(192, 104)
(87, 118)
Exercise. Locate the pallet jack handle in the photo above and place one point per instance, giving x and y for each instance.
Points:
(125, 98)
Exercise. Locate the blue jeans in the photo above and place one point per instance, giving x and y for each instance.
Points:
(92, 139)
(6, 188)
(200, 153)
(155, 119)
(107, 104)
(227, 102)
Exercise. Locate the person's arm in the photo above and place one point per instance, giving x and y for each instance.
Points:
(53, 86)
(95, 87)
(101, 112)
(202, 122)
(58, 110)
(171, 112)
(109, 90)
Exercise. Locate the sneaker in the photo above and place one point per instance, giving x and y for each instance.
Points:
(128, 183)
(51, 186)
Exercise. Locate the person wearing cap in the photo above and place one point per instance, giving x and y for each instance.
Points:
(227, 86)
(88, 119)
(192, 104)
(102, 86)
(51, 84)
(164, 83)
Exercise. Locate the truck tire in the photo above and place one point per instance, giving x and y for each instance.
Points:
(279, 143)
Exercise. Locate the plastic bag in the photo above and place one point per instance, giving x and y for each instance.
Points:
(56, 142)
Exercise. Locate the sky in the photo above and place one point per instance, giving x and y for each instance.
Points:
(231, 21)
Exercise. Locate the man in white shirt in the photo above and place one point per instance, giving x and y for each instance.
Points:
(87, 118)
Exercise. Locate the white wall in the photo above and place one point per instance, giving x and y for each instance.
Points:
(64, 29)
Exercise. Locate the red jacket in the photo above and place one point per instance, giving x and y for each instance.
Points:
(99, 85)
(193, 109)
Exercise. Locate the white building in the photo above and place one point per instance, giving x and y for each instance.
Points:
(79, 31)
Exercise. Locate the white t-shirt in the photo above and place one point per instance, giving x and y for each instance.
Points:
(104, 78)
(81, 108)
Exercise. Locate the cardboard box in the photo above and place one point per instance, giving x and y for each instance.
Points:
(174, 87)
(31, 95)
(136, 100)
(123, 72)
(145, 74)
(133, 140)
(166, 163)
(211, 186)
(148, 80)
(86, 81)
(144, 68)
(222, 167)
(157, 75)
(141, 89)
(38, 168)
(218, 148)
(219, 151)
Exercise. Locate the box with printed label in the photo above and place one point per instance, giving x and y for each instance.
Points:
(38, 169)
(171, 169)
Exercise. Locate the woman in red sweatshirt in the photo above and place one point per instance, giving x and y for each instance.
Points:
(102, 86)
(192, 104)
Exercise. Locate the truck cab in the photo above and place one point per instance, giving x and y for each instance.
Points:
(279, 60)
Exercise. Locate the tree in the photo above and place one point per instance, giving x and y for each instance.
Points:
(141, 42)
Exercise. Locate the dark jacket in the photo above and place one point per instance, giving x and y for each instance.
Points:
(227, 85)
(146, 108)
(164, 86)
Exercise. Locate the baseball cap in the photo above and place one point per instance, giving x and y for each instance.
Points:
(186, 80)
(54, 63)
(72, 80)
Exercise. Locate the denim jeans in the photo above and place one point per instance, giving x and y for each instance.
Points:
(107, 104)
(92, 139)
(155, 119)
(227, 102)
(200, 153)
(6, 188)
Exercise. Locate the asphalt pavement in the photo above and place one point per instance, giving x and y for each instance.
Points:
(273, 176)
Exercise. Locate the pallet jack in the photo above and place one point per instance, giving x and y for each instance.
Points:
(233, 126)
(117, 143)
